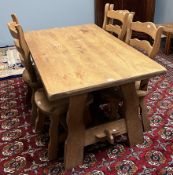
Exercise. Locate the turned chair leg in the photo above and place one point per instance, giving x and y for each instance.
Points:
(145, 121)
(39, 122)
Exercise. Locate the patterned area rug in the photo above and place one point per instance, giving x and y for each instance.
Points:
(10, 64)
(25, 153)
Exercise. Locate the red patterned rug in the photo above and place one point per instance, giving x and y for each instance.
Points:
(25, 153)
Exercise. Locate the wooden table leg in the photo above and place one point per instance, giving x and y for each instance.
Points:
(168, 43)
(74, 145)
(133, 122)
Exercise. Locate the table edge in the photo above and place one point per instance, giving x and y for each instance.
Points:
(89, 89)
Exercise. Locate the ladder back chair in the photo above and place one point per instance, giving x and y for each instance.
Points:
(41, 107)
(148, 48)
(115, 21)
(45, 108)
(111, 98)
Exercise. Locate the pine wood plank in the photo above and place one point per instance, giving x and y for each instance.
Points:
(81, 59)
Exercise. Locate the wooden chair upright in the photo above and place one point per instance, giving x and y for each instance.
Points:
(148, 48)
(41, 107)
(115, 21)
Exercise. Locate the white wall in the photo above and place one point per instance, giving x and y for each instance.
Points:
(164, 11)
(41, 14)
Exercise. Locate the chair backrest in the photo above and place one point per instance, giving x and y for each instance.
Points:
(115, 21)
(15, 35)
(129, 19)
(150, 29)
(12, 29)
(27, 55)
(11, 26)
(128, 22)
(20, 43)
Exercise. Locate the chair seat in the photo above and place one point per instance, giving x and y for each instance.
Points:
(47, 106)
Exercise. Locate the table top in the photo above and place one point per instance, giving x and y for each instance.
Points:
(80, 59)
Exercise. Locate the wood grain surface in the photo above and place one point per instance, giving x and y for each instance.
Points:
(80, 59)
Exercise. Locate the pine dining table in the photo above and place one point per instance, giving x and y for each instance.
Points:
(74, 61)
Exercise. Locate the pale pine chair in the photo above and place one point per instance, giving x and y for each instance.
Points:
(54, 110)
(41, 107)
(116, 21)
(148, 48)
